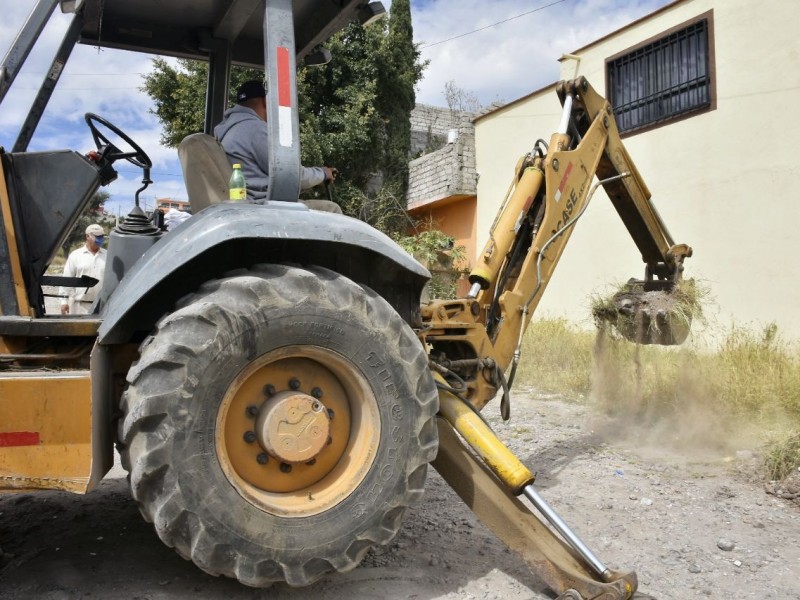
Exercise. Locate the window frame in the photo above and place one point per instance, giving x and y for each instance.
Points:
(707, 16)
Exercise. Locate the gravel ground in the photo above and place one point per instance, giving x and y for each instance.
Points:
(693, 522)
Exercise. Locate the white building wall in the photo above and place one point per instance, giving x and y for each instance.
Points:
(725, 181)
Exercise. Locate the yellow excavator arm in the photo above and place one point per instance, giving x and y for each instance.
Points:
(475, 340)
(478, 337)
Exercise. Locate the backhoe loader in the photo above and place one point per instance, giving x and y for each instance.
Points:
(267, 373)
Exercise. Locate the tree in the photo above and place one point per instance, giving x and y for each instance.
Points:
(460, 100)
(360, 105)
(339, 122)
(399, 70)
(92, 214)
(179, 95)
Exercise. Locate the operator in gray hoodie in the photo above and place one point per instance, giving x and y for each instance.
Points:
(243, 134)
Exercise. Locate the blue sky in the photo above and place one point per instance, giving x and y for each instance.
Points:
(513, 52)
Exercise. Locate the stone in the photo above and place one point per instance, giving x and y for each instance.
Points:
(725, 545)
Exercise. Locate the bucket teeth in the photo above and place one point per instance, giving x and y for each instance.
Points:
(647, 317)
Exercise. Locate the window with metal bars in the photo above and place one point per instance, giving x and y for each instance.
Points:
(662, 80)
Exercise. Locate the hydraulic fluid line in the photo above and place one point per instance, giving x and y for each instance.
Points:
(523, 164)
(525, 307)
(520, 244)
(565, 227)
(563, 128)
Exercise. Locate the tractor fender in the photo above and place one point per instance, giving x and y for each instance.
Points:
(229, 236)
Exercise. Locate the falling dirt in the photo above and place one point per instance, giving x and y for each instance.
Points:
(693, 522)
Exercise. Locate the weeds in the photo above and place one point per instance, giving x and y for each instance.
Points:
(751, 381)
(782, 456)
(439, 253)
(556, 357)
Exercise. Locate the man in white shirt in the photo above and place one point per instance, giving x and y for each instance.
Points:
(89, 259)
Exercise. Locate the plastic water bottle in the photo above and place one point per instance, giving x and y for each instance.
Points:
(236, 186)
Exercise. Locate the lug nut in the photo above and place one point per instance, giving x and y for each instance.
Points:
(269, 389)
(262, 458)
(312, 462)
(331, 414)
(317, 393)
(294, 383)
(249, 436)
(286, 468)
(330, 441)
(252, 411)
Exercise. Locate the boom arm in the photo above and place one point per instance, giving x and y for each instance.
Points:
(478, 337)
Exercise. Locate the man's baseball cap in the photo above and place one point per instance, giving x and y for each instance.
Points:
(95, 229)
(250, 89)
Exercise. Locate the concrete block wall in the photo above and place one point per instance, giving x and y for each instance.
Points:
(429, 128)
(448, 170)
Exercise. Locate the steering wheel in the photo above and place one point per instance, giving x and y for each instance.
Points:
(138, 157)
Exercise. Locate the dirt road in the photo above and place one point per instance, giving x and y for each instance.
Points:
(691, 527)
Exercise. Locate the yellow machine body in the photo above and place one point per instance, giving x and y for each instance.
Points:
(46, 441)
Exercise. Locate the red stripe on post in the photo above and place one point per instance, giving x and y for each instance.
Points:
(284, 91)
(19, 438)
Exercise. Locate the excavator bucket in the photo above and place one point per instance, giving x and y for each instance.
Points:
(650, 316)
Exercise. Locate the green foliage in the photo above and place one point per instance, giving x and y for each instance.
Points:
(399, 70)
(438, 252)
(384, 210)
(339, 123)
(428, 247)
(179, 95)
(92, 214)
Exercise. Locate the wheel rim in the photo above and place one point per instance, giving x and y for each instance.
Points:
(269, 426)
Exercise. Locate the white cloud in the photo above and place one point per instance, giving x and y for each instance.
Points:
(507, 60)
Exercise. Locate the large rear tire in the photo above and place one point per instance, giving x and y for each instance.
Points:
(278, 424)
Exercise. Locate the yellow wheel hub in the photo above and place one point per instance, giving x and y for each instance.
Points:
(297, 430)
(293, 427)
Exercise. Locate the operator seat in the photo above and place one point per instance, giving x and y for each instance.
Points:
(206, 170)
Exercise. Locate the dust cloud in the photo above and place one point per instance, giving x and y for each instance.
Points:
(662, 408)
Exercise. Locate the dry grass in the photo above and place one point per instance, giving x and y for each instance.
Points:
(556, 357)
(782, 456)
(751, 383)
